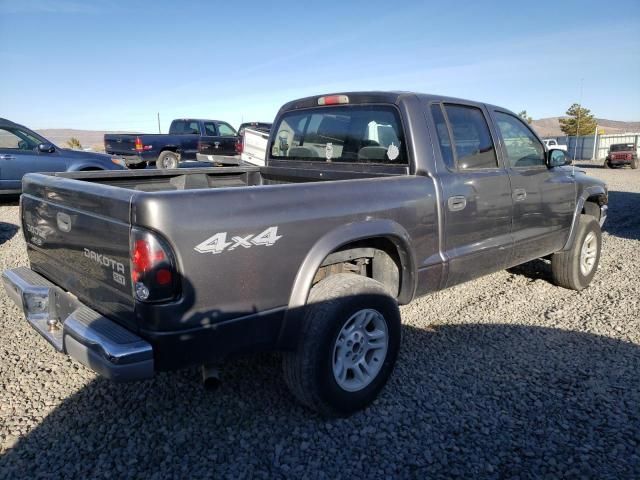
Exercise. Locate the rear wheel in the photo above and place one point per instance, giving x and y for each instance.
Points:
(167, 160)
(348, 345)
(576, 267)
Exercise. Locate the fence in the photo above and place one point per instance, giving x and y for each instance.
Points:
(596, 147)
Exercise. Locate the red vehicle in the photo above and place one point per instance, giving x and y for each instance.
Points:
(621, 154)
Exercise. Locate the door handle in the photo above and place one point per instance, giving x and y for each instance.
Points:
(456, 203)
(7, 157)
(519, 194)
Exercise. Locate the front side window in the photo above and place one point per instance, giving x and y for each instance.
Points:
(346, 133)
(17, 139)
(471, 137)
(225, 130)
(522, 147)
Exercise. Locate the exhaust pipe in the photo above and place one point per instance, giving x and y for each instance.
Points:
(211, 377)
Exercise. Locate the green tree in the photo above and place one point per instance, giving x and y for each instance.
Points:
(523, 115)
(579, 121)
(74, 143)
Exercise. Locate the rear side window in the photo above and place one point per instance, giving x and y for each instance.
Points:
(443, 136)
(177, 127)
(347, 133)
(471, 138)
(210, 129)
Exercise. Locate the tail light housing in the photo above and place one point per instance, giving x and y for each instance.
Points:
(240, 144)
(138, 144)
(154, 275)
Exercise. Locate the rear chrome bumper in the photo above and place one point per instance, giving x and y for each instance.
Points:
(75, 329)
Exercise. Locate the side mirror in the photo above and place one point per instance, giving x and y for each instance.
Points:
(46, 148)
(558, 158)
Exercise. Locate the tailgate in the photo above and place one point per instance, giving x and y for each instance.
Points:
(77, 235)
(120, 144)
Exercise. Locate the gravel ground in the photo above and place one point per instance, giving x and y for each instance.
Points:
(504, 377)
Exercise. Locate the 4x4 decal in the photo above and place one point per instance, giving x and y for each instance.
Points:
(218, 243)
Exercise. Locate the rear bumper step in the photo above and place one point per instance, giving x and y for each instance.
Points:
(75, 329)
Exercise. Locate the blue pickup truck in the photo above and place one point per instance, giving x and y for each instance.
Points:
(185, 138)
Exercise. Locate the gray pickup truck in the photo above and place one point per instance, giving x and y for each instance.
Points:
(367, 201)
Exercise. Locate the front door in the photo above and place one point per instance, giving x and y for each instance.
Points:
(19, 155)
(543, 198)
(477, 200)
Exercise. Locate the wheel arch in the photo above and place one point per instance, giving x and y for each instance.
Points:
(375, 234)
(590, 202)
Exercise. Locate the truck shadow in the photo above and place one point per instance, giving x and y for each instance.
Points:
(480, 400)
(7, 231)
(623, 219)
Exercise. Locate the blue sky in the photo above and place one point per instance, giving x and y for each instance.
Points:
(113, 64)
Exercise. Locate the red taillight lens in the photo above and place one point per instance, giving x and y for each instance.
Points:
(138, 144)
(240, 145)
(333, 100)
(153, 269)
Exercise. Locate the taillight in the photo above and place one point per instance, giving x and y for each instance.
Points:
(153, 268)
(240, 145)
(333, 100)
(138, 144)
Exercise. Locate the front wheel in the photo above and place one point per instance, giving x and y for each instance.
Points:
(634, 163)
(575, 268)
(607, 164)
(167, 160)
(348, 345)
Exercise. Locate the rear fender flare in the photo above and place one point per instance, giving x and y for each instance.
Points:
(334, 240)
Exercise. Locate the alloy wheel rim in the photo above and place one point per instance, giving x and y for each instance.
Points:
(360, 350)
(588, 253)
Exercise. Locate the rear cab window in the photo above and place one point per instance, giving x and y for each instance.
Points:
(345, 133)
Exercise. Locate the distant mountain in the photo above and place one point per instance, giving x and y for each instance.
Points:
(93, 139)
(550, 127)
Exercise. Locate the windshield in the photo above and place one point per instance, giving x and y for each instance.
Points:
(622, 147)
(347, 133)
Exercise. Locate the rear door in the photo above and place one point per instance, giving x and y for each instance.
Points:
(543, 198)
(189, 139)
(19, 155)
(477, 194)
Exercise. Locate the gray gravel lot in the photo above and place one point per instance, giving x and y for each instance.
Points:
(504, 377)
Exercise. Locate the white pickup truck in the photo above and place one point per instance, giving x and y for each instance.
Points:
(254, 146)
(553, 143)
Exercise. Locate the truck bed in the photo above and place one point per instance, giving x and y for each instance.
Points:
(218, 177)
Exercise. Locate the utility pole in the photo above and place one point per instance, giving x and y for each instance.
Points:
(159, 123)
(575, 147)
(595, 144)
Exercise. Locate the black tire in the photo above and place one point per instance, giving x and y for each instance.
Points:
(566, 265)
(167, 160)
(308, 371)
(607, 164)
(634, 163)
(137, 166)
